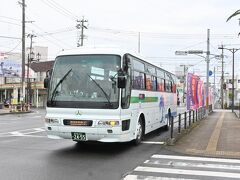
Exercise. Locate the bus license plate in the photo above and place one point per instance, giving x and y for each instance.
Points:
(78, 136)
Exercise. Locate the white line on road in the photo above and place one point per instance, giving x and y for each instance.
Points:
(197, 165)
(152, 142)
(140, 177)
(191, 158)
(188, 172)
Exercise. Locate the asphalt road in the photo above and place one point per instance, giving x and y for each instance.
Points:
(27, 154)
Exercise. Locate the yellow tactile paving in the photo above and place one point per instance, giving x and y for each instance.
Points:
(212, 143)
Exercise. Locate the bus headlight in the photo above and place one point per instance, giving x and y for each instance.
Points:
(51, 121)
(108, 123)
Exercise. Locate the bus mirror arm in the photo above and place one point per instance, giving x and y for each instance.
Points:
(126, 63)
(121, 80)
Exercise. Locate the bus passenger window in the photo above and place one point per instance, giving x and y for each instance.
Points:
(138, 80)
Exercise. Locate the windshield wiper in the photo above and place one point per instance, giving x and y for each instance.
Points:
(104, 92)
(59, 82)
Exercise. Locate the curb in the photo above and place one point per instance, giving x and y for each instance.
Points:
(16, 113)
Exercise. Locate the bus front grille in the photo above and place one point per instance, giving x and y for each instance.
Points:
(72, 122)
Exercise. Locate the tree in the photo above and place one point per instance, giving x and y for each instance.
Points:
(233, 15)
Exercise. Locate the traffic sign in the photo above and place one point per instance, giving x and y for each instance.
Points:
(210, 73)
(181, 52)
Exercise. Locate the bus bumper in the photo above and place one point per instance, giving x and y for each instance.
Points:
(113, 134)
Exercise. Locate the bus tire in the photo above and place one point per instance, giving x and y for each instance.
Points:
(166, 127)
(140, 132)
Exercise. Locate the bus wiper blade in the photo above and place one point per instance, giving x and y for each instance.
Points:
(59, 82)
(104, 92)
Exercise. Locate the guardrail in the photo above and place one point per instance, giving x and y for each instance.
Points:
(184, 121)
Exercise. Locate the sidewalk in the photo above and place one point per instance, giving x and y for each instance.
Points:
(6, 111)
(218, 135)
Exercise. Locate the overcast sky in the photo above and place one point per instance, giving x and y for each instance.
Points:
(165, 26)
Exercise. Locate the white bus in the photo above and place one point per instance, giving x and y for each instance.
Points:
(107, 95)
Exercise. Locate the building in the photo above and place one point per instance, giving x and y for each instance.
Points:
(228, 91)
(11, 72)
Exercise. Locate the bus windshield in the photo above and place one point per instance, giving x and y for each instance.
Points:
(85, 81)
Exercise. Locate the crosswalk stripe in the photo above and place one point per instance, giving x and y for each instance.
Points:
(192, 158)
(141, 177)
(196, 165)
(187, 172)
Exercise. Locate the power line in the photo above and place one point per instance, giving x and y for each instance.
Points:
(56, 44)
(8, 52)
(66, 10)
(10, 18)
(9, 37)
(10, 23)
(58, 9)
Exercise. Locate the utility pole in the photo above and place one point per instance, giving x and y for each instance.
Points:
(222, 80)
(30, 59)
(80, 25)
(207, 60)
(233, 51)
(23, 53)
(139, 41)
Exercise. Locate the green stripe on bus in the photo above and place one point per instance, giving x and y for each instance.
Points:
(135, 99)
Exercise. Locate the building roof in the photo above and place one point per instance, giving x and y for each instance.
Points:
(41, 66)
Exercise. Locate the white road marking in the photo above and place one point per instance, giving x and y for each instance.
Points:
(24, 132)
(196, 165)
(192, 158)
(187, 172)
(140, 177)
(152, 142)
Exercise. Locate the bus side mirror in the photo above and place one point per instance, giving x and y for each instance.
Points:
(121, 81)
(47, 79)
(46, 82)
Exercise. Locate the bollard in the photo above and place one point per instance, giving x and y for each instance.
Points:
(196, 114)
(179, 123)
(171, 120)
(185, 120)
(189, 123)
(193, 115)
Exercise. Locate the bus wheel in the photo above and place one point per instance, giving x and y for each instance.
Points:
(140, 132)
(166, 127)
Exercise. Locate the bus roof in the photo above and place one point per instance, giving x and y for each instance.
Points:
(104, 50)
(97, 50)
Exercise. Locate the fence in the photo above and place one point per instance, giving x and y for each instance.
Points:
(237, 110)
(185, 120)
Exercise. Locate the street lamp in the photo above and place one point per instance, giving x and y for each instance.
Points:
(233, 51)
(30, 60)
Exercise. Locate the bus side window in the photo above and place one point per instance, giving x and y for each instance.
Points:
(138, 80)
(154, 83)
(160, 84)
(149, 86)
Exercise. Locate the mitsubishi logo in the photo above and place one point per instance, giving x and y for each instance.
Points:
(78, 113)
